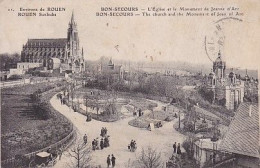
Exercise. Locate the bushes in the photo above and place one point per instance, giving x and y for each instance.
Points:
(207, 94)
(188, 126)
(15, 77)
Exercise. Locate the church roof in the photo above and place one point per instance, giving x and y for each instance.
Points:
(242, 136)
(59, 42)
(219, 59)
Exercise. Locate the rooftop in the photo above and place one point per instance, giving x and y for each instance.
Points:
(207, 143)
(58, 42)
(242, 136)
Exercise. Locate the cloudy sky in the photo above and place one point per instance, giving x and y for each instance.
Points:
(163, 38)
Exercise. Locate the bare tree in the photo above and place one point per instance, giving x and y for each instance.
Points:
(150, 158)
(80, 155)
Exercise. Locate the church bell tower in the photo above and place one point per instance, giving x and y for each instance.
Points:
(73, 39)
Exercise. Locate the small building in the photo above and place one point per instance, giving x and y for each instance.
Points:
(111, 71)
(53, 63)
(204, 150)
(242, 137)
(4, 75)
(25, 66)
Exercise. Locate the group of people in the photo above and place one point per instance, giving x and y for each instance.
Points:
(62, 100)
(56, 152)
(132, 146)
(111, 161)
(158, 124)
(177, 148)
(104, 143)
(103, 131)
(139, 111)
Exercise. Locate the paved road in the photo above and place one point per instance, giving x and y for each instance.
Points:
(120, 136)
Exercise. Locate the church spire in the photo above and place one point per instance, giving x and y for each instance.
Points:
(72, 18)
(72, 22)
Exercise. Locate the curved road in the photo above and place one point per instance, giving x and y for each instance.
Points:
(120, 136)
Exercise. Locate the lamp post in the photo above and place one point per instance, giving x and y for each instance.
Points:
(86, 105)
(179, 119)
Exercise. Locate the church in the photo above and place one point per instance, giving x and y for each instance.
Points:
(64, 52)
(228, 88)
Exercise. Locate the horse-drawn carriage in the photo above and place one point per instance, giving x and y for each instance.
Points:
(43, 159)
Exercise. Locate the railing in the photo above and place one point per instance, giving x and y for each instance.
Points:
(65, 141)
(222, 162)
(28, 81)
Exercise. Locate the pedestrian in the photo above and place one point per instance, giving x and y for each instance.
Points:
(106, 142)
(108, 161)
(131, 145)
(85, 139)
(49, 150)
(102, 132)
(60, 153)
(113, 159)
(134, 146)
(93, 145)
(174, 147)
(179, 149)
(97, 144)
(105, 131)
(101, 144)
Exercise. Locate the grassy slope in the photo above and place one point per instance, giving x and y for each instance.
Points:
(24, 129)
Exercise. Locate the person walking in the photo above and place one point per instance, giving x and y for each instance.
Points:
(108, 161)
(174, 147)
(101, 144)
(97, 144)
(105, 131)
(60, 153)
(85, 138)
(102, 132)
(113, 159)
(106, 142)
(131, 145)
(140, 112)
(93, 145)
(179, 149)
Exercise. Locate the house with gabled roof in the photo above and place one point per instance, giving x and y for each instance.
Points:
(242, 137)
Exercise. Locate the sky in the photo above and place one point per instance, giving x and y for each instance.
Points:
(138, 38)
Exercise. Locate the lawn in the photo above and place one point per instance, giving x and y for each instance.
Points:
(26, 127)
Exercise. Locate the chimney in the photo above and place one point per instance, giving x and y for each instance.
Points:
(250, 110)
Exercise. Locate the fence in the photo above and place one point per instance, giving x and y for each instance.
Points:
(65, 141)
(28, 81)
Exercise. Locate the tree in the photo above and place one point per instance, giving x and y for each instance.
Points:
(188, 144)
(150, 158)
(80, 155)
(8, 61)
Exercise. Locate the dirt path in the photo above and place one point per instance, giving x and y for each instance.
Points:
(120, 136)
